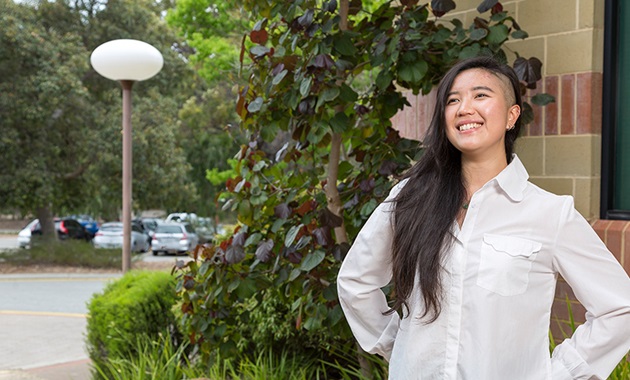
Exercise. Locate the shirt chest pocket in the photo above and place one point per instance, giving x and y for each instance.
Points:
(505, 264)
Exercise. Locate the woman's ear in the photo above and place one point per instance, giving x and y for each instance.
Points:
(513, 113)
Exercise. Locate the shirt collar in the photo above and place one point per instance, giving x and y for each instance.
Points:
(513, 179)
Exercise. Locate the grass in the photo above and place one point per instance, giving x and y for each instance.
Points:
(161, 360)
(73, 253)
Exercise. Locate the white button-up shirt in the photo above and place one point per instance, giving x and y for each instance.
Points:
(499, 283)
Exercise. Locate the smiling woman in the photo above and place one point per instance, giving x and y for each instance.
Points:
(473, 249)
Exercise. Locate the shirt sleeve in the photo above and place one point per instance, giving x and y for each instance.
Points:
(603, 288)
(366, 269)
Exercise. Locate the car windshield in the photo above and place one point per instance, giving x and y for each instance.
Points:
(164, 229)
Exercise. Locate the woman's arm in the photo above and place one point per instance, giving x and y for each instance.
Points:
(603, 288)
(364, 271)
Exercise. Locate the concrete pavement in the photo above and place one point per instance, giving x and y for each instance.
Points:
(42, 335)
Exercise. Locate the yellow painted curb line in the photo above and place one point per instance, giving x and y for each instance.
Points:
(43, 313)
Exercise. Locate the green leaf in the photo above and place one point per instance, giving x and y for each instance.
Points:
(234, 284)
(277, 225)
(295, 273)
(543, 99)
(478, 34)
(384, 80)
(519, 34)
(413, 72)
(312, 260)
(278, 78)
(498, 34)
(328, 94)
(305, 86)
(253, 239)
(292, 234)
(259, 166)
(340, 122)
(255, 105)
(469, 51)
(347, 94)
(368, 208)
(344, 45)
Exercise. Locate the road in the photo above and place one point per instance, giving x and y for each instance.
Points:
(8, 242)
(43, 317)
(43, 321)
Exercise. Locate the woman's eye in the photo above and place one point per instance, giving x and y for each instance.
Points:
(451, 101)
(482, 95)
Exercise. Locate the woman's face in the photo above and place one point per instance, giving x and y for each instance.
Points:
(478, 114)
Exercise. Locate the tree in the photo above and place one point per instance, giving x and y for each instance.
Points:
(300, 207)
(61, 121)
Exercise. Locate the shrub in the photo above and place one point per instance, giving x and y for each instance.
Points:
(138, 304)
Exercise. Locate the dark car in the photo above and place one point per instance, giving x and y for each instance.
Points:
(90, 224)
(67, 228)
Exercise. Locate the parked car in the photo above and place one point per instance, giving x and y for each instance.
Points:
(149, 225)
(24, 236)
(110, 235)
(67, 228)
(182, 217)
(174, 237)
(90, 224)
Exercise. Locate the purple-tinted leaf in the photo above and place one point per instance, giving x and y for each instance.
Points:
(387, 168)
(253, 144)
(293, 256)
(486, 4)
(323, 61)
(235, 254)
(440, 7)
(352, 202)
(330, 6)
(323, 236)
(409, 3)
(278, 69)
(282, 211)
(498, 8)
(328, 219)
(528, 70)
(480, 23)
(263, 252)
(361, 109)
(189, 282)
(367, 185)
(340, 251)
(306, 19)
(239, 239)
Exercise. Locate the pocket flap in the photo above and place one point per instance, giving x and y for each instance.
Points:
(513, 246)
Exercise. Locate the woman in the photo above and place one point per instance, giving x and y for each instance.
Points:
(473, 251)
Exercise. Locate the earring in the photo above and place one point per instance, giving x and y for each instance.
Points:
(509, 127)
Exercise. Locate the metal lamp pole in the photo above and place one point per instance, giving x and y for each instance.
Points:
(126, 61)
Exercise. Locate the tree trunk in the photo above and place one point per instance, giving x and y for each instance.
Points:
(47, 223)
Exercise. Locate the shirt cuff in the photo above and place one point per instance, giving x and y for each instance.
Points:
(567, 364)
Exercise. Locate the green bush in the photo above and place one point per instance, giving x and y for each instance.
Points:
(138, 304)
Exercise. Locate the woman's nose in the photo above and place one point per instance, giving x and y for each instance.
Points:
(465, 108)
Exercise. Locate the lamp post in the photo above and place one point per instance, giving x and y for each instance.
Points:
(126, 61)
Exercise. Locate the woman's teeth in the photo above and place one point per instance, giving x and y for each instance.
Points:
(466, 127)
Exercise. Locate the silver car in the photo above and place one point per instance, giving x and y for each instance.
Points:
(173, 237)
(110, 235)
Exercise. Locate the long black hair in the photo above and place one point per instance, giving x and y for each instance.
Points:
(432, 198)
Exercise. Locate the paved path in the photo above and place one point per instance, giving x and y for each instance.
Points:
(42, 325)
